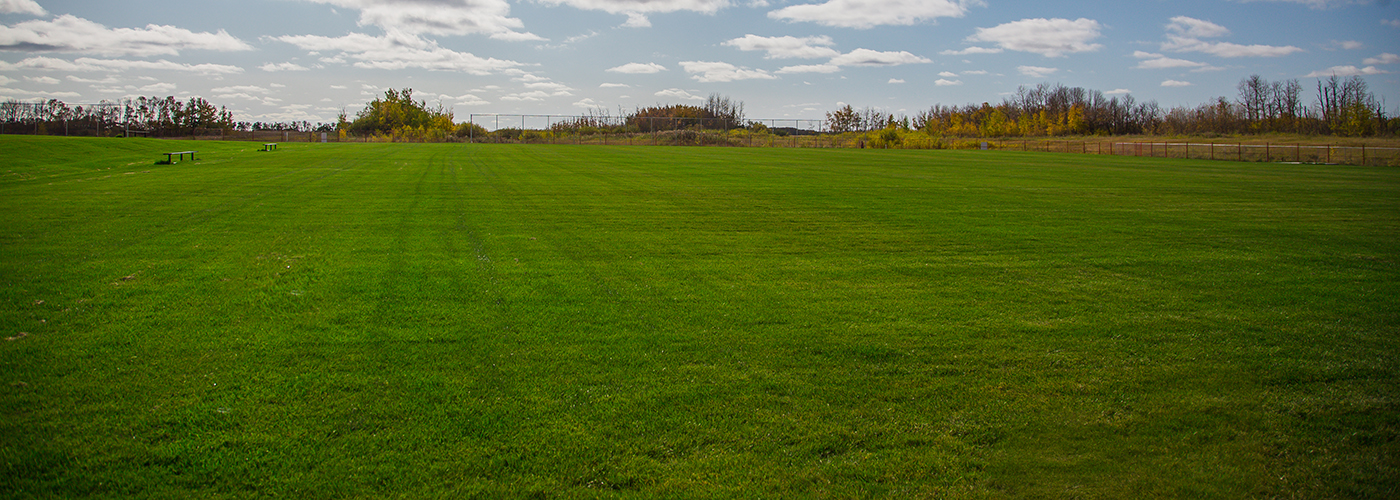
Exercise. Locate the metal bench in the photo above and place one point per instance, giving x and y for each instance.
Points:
(169, 156)
(269, 146)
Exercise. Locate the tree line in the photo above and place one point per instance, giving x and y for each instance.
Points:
(1343, 106)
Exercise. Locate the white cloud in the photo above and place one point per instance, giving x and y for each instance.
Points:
(707, 71)
(395, 51)
(440, 17)
(1047, 37)
(866, 57)
(948, 74)
(1386, 58)
(810, 68)
(1318, 4)
(638, 68)
(1175, 83)
(1195, 28)
(68, 33)
(974, 72)
(636, 10)
(5, 80)
(466, 100)
(556, 87)
(46, 80)
(971, 50)
(786, 47)
(895, 80)
(338, 87)
(588, 103)
(254, 89)
(1347, 71)
(21, 7)
(1037, 71)
(152, 89)
(941, 82)
(1159, 61)
(89, 64)
(679, 94)
(1347, 44)
(862, 14)
(8, 93)
(1118, 92)
(1184, 34)
(614, 85)
(1391, 22)
(580, 38)
(534, 96)
(286, 66)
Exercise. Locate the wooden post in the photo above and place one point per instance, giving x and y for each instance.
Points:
(1363, 155)
(1267, 156)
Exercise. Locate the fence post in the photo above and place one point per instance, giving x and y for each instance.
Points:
(1363, 155)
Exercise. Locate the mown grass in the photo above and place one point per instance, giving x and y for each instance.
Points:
(398, 320)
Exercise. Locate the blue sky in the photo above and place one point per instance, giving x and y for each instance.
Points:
(279, 60)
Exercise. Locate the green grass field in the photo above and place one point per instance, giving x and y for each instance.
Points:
(424, 320)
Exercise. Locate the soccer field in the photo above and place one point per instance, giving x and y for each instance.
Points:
(421, 320)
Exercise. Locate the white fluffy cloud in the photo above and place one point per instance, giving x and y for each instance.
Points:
(1159, 61)
(943, 82)
(638, 68)
(1184, 34)
(21, 7)
(867, 57)
(8, 93)
(588, 103)
(1175, 83)
(395, 51)
(1347, 71)
(1386, 58)
(707, 71)
(787, 47)
(84, 64)
(810, 68)
(1037, 71)
(466, 100)
(240, 89)
(68, 33)
(971, 50)
(863, 14)
(533, 96)
(152, 89)
(286, 66)
(439, 17)
(894, 81)
(636, 10)
(1318, 4)
(679, 94)
(1118, 92)
(1047, 37)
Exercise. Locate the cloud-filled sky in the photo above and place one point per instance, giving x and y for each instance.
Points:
(281, 60)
